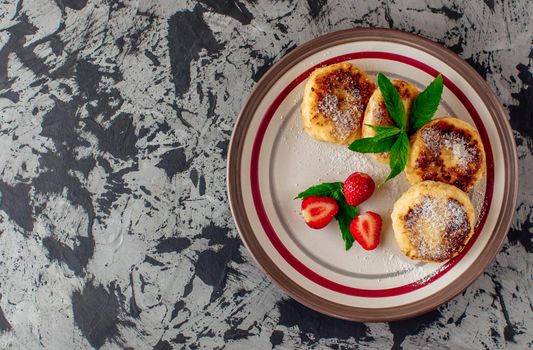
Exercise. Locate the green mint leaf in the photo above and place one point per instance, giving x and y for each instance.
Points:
(385, 129)
(344, 217)
(426, 104)
(376, 144)
(398, 155)
(393, 101)
(324, 189)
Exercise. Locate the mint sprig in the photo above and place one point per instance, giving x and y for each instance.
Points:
(376, 144)
(395, 139)
(398, 155)
(426, 104)
(393, 101)
(346, 212)
(385, 129)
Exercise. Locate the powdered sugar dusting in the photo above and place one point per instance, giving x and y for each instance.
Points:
(396, 264)
(428, 276)
(460, 150)
(346, 117)
(437, 141)
(340, 160)
(439, 226)
(477, 196)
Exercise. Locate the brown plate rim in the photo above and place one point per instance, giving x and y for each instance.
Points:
(237, 205)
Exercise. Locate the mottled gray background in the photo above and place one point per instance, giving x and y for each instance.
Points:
(115, 118)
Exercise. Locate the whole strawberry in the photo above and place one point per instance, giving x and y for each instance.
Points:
(358, 187)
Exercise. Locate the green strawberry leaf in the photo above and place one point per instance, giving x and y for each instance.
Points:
(327, 189)
(426, 104)
(399, 153)
(344, 217)
(393, 101)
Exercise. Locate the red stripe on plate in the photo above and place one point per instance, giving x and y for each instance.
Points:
(297, 264)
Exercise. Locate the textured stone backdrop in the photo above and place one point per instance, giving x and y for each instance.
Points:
(115, 118)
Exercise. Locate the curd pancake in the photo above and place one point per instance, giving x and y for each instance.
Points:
(334, 102)
(433, 221)
(448, 150)
(376, 112)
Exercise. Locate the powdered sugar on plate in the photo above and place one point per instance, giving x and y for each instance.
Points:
(422, 280)
(340, 161)
(477, 196)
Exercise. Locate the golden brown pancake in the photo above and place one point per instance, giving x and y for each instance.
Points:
(376, 112)
(448, 150)
(334, 102)
(433, 221)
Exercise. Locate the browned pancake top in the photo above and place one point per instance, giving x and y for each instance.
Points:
(443, 137)
(382, 115)
(438, 228)
(403, 89)
(342, 96)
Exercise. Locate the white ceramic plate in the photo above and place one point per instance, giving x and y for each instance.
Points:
(271, 160)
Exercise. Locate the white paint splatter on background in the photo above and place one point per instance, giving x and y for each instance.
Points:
(113, 161)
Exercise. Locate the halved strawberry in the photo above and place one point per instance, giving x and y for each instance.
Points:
(366, 229)
(318, 211)
(358, 187)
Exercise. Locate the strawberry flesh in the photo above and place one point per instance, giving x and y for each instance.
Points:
(358, 187)
(366, 230)
(319, 211)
